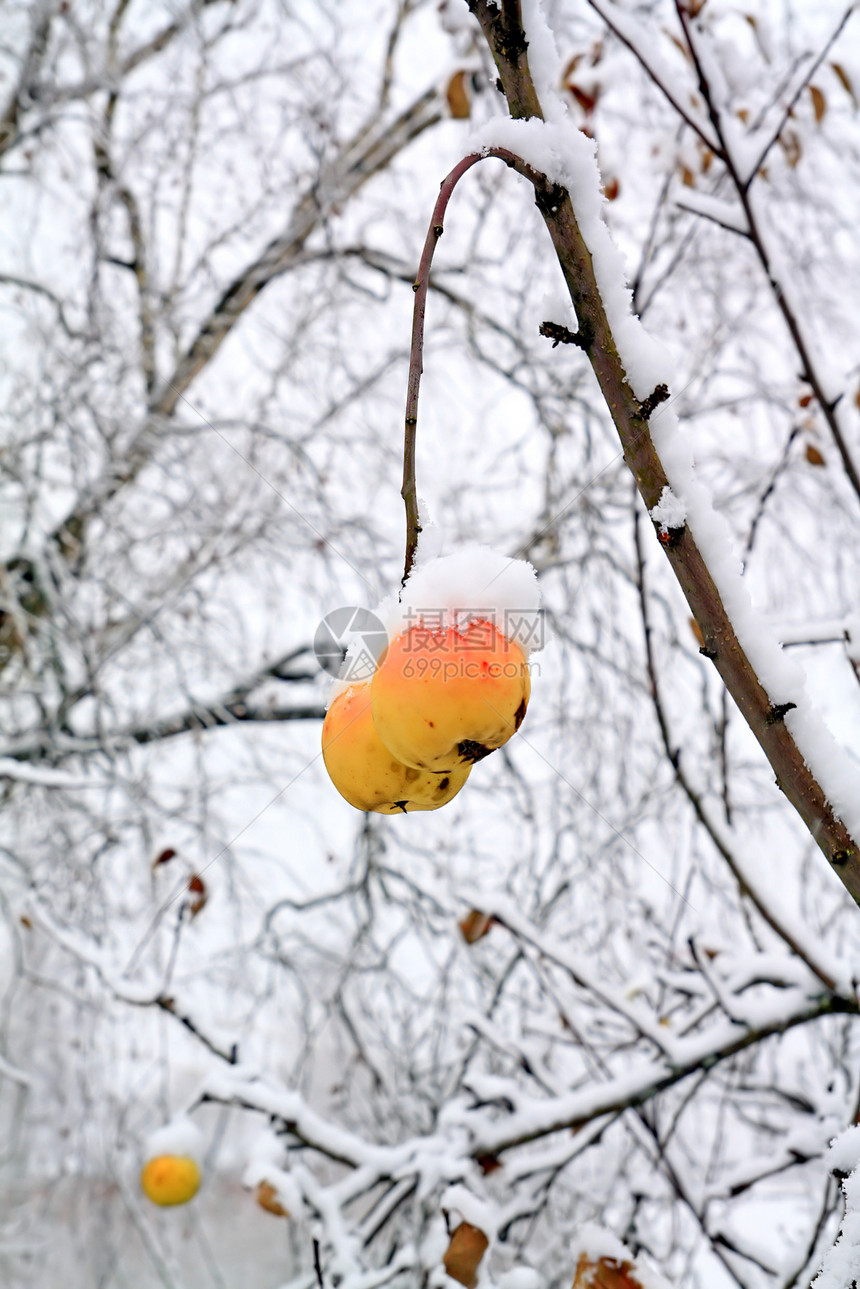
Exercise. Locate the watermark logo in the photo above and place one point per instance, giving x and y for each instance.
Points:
(357, 637)
(346, 627)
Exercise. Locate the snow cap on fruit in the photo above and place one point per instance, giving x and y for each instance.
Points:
(473, 584)
(180, 1137)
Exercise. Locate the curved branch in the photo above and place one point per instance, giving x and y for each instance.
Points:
(544, 189)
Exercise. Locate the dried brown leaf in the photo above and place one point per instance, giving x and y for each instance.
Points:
(680, 44)
(267, 1197)
(462, 1257)
(475, 925)
(459, 97)
(605, 1273)
(845, 81)
(197, 888)
(586, 101)
(819, 103)
(813, 456)
(571, 68)
(790, 143)
(164, 856)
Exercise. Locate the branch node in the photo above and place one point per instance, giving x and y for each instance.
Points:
(560, 335)
(707, 652)
(840, 858)
(668, 537)
(438, 230)
(659, 395)
(511, 39)
(777, 712)
(549, 198)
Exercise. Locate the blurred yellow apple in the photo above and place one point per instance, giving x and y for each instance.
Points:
(363, 769)
(170, 1179)
(445, 699)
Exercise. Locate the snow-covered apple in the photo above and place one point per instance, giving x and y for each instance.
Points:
(364, 770)
(443, 699)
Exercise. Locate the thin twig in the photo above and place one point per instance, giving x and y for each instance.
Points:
(742, 184)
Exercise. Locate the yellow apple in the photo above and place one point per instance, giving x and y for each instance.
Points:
(364, 771)
(170, 1179)
(445, 699)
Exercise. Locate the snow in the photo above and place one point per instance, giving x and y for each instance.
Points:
(474, 583)
(42, 776)
(563, 153)
(827, 631)
(179, 1137)
(728, 214)
(638, 37)
(843, 1154)
(8, 1071)
(471, 584)
(852, 635)
(842, 1264)
(593, 1242)
(566, 156)
(670, 511)
(520, 1278)
(463, 1205)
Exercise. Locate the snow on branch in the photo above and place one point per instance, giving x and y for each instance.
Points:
(743, 154)
(842, 1264)
(811, 769)
(42, 776)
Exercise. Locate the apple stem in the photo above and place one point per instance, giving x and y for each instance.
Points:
(416, 354)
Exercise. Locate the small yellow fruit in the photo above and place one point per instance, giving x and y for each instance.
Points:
(170, 1179)
(365, 772)
(445, 699)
